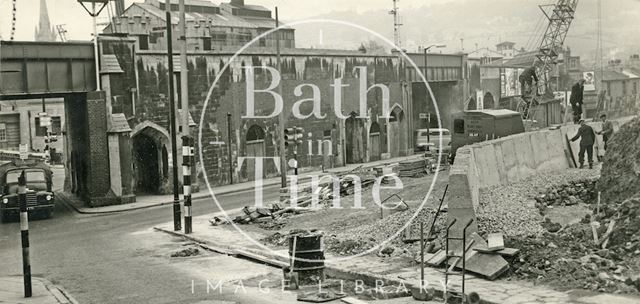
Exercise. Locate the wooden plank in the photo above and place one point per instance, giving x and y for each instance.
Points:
(352, 300)
(508, 252)
(266, 260)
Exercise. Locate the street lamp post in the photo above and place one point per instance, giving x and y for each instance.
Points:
(426, 77)
(94, 12)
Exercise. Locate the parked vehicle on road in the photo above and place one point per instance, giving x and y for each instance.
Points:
(479, 125)
(40, 197)
(429, 139)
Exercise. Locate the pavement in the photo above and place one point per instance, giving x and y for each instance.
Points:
(148, 201)
(43, 292)
(393, 271)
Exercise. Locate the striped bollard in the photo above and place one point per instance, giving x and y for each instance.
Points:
(24, 233)
(187, 156)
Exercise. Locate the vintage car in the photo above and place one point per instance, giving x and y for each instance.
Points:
(39, 181)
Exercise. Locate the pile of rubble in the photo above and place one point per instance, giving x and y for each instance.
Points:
(511, 209)
(275, 215)
(601, 253)
(621, 169)
(573, 193)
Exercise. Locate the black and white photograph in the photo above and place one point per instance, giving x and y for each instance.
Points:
(297, 151)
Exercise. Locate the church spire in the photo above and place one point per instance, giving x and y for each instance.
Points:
(44, 30)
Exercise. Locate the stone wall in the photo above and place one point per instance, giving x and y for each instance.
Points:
(316, 67)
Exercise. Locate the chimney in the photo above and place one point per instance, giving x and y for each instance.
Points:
(237, 2)
(119, 7)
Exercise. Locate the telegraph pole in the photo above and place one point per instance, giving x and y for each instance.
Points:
(24, 233)
(184, 104)
(177, 221)
(281, 122)
(229, 147)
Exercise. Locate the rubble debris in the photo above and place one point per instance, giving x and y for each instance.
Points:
(511, 209)
(488, 265)
(572, 193)
(620, 172)
(571, 259)
(187, 252)
(414, 168)
(320, 296)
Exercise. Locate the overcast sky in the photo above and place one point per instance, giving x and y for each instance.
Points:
(78, 22)
(482, 22)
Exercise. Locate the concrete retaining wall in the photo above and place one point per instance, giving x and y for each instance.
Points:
(506, 160)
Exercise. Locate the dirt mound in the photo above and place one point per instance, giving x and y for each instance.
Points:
(620, 176)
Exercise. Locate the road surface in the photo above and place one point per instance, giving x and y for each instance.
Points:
(118, 258)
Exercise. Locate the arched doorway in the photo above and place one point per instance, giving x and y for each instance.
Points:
(393, 130)
(471, 104)
(354, 139)
(488, 101)
(146, 164)
(255, 147)
(150, 158)
(374, 142)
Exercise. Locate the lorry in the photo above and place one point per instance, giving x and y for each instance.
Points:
(40, 197)
(479, 125)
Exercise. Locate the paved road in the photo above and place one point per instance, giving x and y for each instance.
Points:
(116, 258)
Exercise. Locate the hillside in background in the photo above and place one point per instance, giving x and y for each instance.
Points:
(485, 26)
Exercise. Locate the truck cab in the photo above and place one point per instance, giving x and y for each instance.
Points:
(479, 125)
(40, 197)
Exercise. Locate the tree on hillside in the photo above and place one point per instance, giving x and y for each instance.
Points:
(372, 47)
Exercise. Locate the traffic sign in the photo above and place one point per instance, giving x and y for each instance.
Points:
(24, 151)
(293, 163)
(45, 120)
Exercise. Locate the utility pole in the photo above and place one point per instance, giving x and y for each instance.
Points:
(177, 220)
(24, 233)
(396, 23)
(281, 117)
(95, 45)
(187, 148)
(229, 147)
(184, 71)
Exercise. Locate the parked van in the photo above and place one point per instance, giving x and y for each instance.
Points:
(480, 125)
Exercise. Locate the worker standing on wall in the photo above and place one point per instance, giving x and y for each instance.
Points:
(527, 78)
(587, 139)
(607, 130)
(576, 100)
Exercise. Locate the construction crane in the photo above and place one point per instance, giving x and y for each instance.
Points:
(62, 32)
(560, 16)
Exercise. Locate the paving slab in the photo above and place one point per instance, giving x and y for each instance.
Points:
(43, 292)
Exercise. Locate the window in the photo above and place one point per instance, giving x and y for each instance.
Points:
(624, 88)
(40, 131)
(458, 126)
(144, 42)
(635, 88)
(56, 125)
(3, 132)
(206, 43)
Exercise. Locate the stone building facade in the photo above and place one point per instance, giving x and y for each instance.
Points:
(209, 26)
(138, 89)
